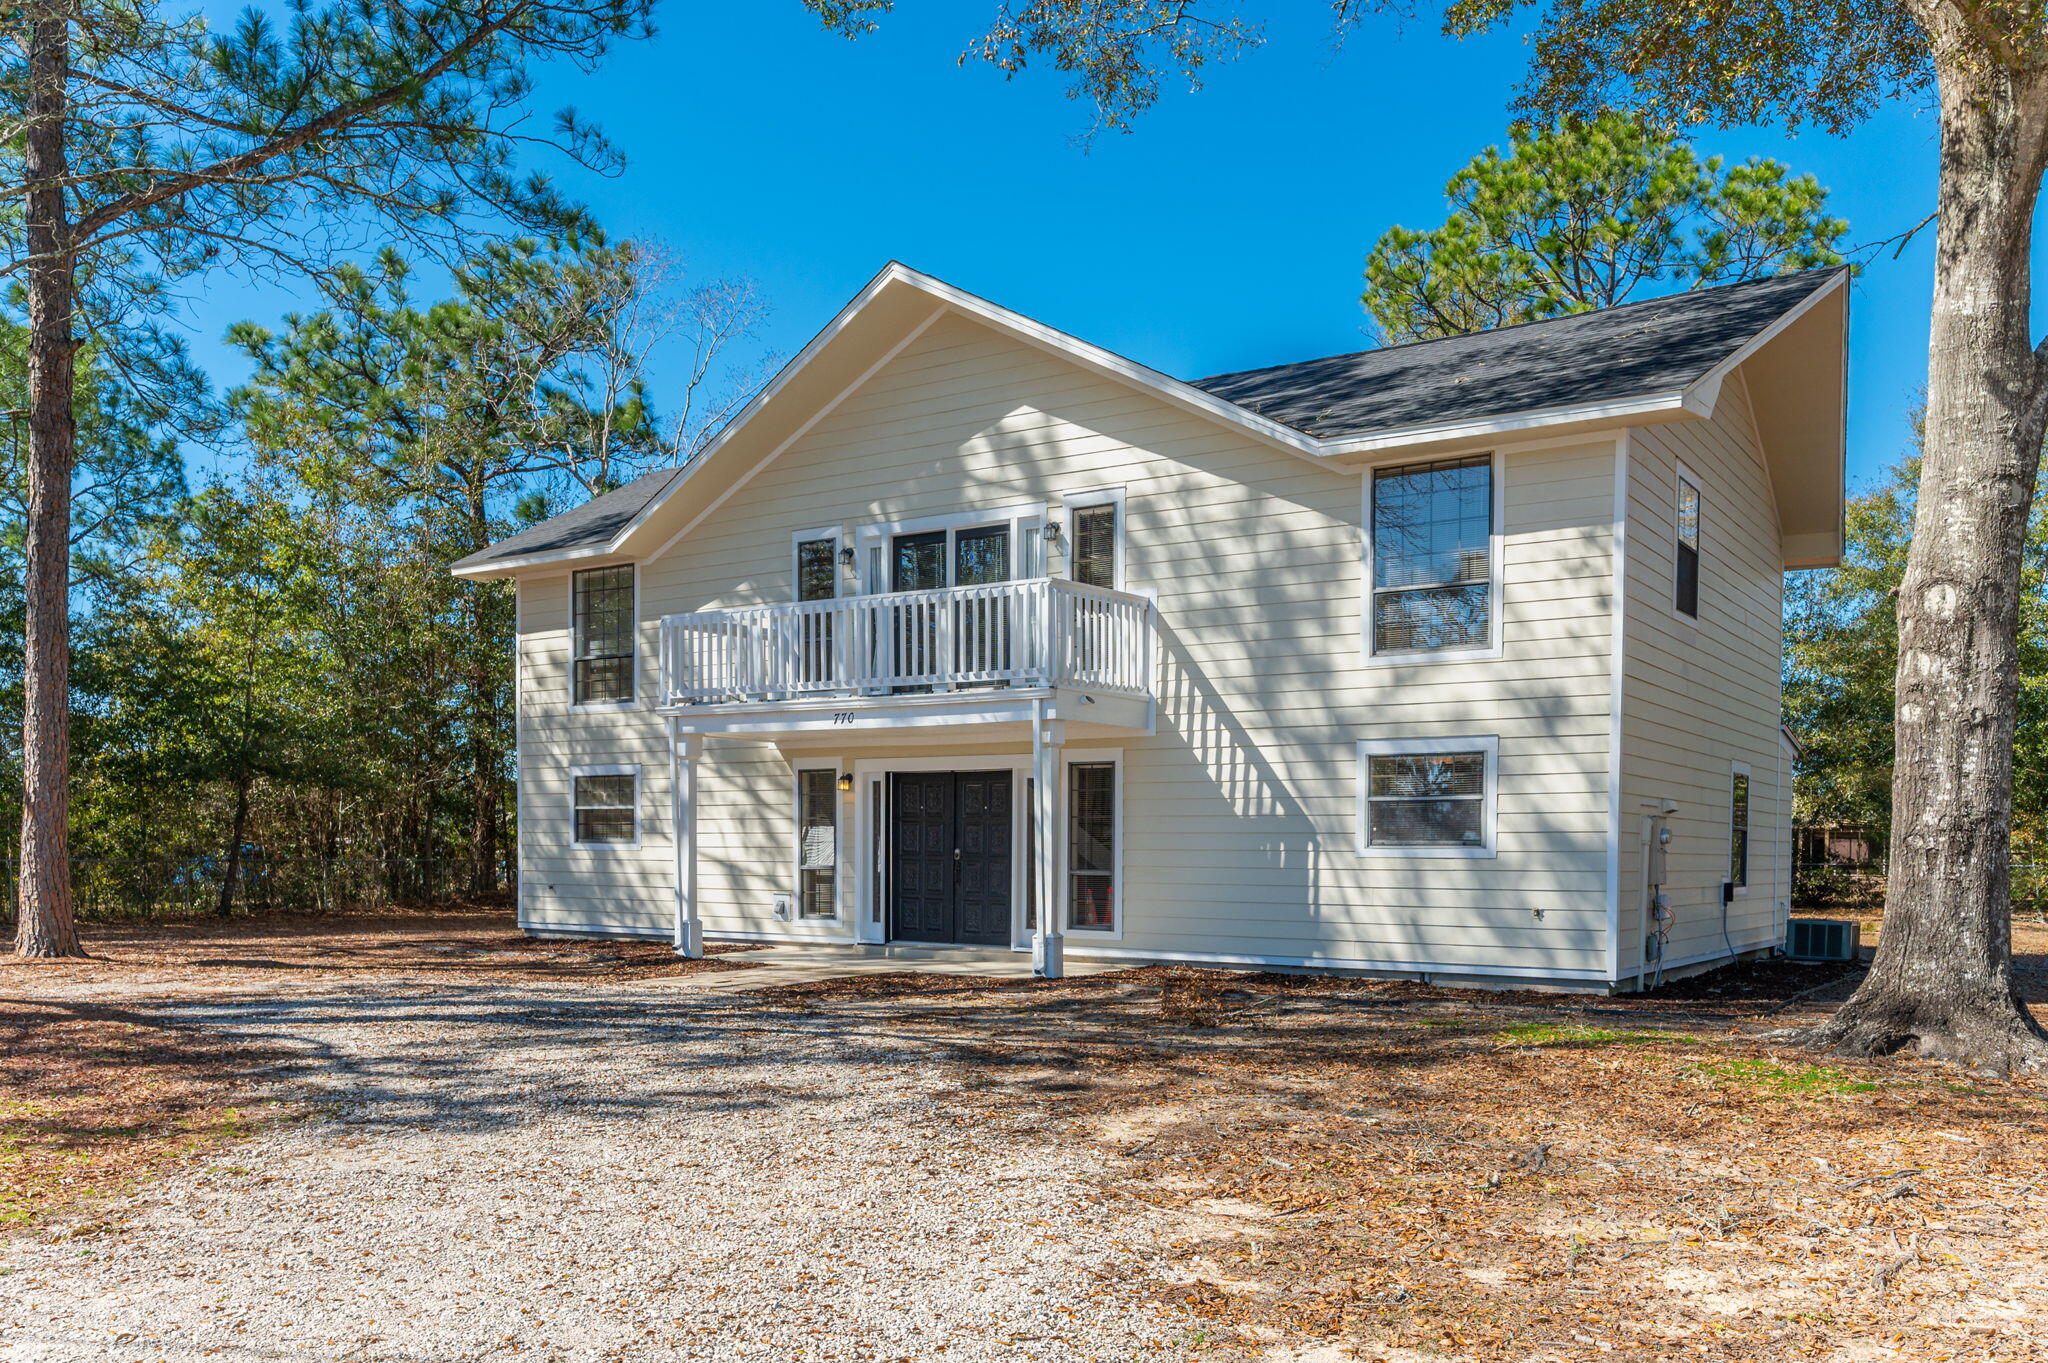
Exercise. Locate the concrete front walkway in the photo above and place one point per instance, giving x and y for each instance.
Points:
(776, 966)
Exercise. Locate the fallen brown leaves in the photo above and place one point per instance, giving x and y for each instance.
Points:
(93, 1099)
(1490, 1177)
(468, 947)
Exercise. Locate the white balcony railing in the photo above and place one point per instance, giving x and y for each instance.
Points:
(1038, 632)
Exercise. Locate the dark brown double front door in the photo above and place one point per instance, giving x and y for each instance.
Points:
(949, 857)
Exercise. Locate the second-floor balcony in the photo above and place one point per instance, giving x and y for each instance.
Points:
(998, 636)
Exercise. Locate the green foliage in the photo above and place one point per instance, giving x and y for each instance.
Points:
(1583, 214)
(1841, 654)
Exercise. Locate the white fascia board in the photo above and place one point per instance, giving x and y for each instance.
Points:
(1696, 399)
(1704, 390)
(1487, 427)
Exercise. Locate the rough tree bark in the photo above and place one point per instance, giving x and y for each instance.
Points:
(238, 829)
(45, 926)
(1942, 981)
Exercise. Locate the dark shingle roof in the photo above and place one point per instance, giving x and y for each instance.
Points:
(1656, 346)
(595, 522)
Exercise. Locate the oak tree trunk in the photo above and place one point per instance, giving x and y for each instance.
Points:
(45, 926)
(1942, 981)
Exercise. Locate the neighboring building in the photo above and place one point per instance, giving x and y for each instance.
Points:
(1398, 661)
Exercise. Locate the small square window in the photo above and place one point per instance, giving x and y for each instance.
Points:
(606, 808)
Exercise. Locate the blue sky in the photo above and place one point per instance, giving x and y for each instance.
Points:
(1228, 231)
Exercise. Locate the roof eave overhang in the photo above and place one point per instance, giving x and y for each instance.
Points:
(892, 290)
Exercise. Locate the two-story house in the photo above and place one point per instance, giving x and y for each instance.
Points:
(1457, 659)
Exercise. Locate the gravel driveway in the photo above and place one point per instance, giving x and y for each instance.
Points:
(601, 1172)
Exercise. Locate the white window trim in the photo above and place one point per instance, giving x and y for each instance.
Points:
(1736, 769)
(1487, 744)
(1495, 555)
(589, 707)
(1080, 501)
(1682, 474)
(869, 539)
(797, 767)
(629, 769)
(1086, 757)
(799, 538)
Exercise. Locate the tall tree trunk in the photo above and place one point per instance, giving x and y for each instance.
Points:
(238, 829)
(1942, 980)
(45, 926)
(483, 719)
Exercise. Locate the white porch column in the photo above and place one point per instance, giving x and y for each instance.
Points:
(684, 752)
(1048, 807)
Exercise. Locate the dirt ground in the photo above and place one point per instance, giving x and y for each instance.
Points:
(472, 947)
(1389, 1171)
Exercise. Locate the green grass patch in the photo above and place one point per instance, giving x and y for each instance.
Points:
(1769, 1076)
(1578, 1034)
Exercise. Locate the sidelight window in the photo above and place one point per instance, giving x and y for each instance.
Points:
(817, 842)
(1091, 846)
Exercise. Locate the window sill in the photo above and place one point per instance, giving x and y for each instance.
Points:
(1426, 853)
(632, 846)
(1491, 653)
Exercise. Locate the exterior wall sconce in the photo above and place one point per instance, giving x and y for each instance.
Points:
(1053, 535)
(846, 558)
(846, 783)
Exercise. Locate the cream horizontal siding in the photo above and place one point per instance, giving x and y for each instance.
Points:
(562, 887)
(1701, 696)
(1240, 814)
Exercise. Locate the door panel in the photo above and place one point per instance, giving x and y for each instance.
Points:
(981, 894)
(921, 856)
(949, 857)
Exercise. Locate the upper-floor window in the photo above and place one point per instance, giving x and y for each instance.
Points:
(817, 566)
(1432, 570)
(1096, 539)
(603, 605)
(1688, 599)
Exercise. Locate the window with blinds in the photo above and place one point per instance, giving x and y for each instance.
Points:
(1091, 846)
(817, 843)
(1432, 556)
(1094, 530)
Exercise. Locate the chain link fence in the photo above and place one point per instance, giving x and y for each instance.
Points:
(1844, 868)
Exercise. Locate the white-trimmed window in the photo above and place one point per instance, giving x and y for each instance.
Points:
(1095, 538)
(1738, 828)
(602, 611)
(817, 842)
(605, 806)
(1094, 846)
(1433, 559)
(1686, 597)
(814, 565)
(1427, 797)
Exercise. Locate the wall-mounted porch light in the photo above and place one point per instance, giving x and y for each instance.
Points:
(846, 558)
(845, 783)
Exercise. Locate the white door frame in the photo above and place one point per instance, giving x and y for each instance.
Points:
(871, 909)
